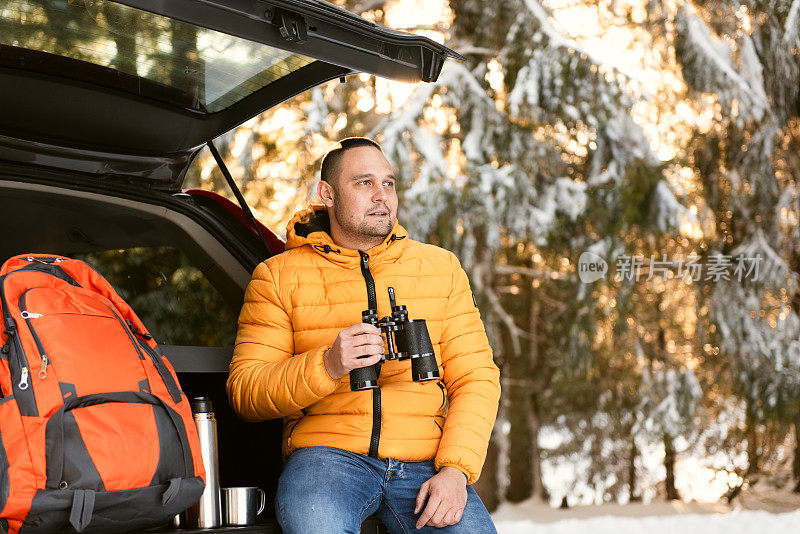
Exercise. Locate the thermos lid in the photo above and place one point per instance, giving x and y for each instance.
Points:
(201, 405)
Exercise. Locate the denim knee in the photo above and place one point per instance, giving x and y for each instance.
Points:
(314, 514)
(322, 491)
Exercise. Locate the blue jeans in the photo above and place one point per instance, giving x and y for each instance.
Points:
(324, 490)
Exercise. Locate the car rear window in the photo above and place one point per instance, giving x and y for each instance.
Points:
(171, 296)
(201, 69)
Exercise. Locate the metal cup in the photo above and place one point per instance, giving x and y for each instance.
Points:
(241, 506)
(180, 521)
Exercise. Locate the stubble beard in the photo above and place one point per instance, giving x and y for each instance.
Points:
(363, 229)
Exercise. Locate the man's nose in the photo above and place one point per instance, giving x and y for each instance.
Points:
(379, 194)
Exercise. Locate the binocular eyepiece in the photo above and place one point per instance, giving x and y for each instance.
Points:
(405, 339)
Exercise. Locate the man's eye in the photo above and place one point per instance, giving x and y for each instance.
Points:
(389, 183)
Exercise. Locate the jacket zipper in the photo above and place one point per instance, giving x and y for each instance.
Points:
(372, 298)
(376, 392)
(291, 431)
(444, 400)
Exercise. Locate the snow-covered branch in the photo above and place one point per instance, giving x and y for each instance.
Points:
(479, 276)
(790, 29)
(709, 67)
(541, 274)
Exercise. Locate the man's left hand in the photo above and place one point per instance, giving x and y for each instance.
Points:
(446, 493)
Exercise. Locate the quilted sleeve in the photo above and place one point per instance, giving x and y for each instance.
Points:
(472, 380)
(266, 379)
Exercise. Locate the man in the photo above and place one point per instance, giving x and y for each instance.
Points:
(406, 450)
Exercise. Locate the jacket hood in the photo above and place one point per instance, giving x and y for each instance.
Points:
(312, 226)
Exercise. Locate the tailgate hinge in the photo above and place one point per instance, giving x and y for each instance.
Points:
(292, 26)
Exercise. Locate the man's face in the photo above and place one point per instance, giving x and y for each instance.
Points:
(365, 199)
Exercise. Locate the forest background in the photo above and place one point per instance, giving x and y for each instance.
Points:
(660, 138)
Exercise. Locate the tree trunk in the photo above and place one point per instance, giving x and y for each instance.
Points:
(669, 463)
(487, 486)
(525, 470)
(493, 485)
(490, 484)
(633, 495)
(796, 463)
(753, 456)
(520, 482)
(539, 491)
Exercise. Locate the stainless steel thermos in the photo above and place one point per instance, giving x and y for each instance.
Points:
(207, 513)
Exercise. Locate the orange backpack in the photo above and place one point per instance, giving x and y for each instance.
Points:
(95, 433)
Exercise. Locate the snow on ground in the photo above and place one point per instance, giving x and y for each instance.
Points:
(665, 518)
(737, 522)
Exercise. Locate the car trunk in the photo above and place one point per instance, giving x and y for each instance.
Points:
(158, 256)
(104, 107)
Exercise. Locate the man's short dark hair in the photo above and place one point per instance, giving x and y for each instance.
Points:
(331, 161)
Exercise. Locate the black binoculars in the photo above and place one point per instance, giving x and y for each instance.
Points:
(405, 338)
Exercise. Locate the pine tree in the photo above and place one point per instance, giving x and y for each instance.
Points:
(530, 165)
(529, 154)
(752, 73)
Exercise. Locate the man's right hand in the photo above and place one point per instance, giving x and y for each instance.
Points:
(356, 346)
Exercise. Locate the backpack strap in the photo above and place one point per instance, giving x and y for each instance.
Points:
(172, 491)
(82, 509)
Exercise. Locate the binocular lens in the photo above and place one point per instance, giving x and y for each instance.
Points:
(420, 349)
(364, 378)
(405, 339)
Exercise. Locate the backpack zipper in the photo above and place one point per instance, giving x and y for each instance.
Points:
(172, 387)
(26, 399)
(18, 365)
(372, 299)
(22, 363)
(47, 260)
(28, 316)
(23, 380)
(169, 382)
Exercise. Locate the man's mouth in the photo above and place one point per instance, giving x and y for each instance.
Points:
(379, 213)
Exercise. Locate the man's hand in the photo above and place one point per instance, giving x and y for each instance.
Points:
(446, 493)
(356, 346)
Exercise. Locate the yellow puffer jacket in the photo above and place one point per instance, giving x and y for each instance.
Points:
(296, 304)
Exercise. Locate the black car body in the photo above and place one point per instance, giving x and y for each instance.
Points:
(104, 106)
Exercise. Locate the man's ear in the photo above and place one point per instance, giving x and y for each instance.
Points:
(326, 193)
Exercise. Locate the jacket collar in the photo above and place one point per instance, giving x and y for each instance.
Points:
(311, 226)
